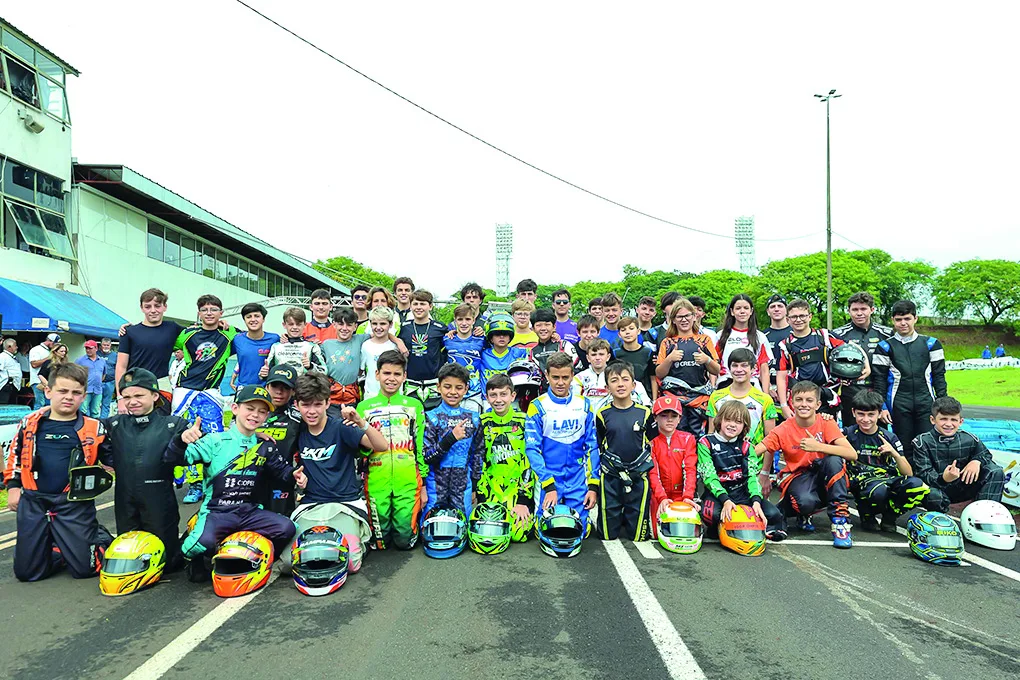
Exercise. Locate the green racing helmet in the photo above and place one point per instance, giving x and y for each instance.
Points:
(499, 323)
(489, 528)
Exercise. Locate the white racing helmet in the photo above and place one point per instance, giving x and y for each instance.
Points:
(989, 523)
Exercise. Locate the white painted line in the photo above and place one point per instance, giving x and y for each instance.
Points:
(857, 544)
(8, 544)
(680, 663)
(647, 550)
(166, 658)
(14, 534)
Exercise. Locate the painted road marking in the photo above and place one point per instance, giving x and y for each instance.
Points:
(166, 658)
(14, 534)
(647, 550)
(680, 663)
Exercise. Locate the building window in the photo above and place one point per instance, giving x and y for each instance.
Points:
(19, 181)
(172, 248)
(188, 250)
(263, 282)
(29, 225)
(232, 271)
(209, 262)
(19, 47)
(221, 266)
(52, 96)
(23, 84)
(56, 229)
(34, 78)
(49, 193)
(155, 241)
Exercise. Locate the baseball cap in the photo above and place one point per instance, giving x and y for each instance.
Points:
(282, 374)
(91, 343)
(53, 337)
(776, 298)
(253, 393)
(666, 403)
(139, 377)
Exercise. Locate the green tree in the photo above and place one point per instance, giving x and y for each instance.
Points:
(804, 277)
(350, 272)
(897, 280)
(716, 288)
(988, 288)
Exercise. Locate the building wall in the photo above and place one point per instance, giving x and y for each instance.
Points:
(49, 151)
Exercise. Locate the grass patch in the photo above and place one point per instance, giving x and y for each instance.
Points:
(967, 342)
(3, 498)
(991, 387)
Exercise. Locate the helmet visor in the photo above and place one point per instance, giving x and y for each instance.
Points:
(445, 528)
(233, 566)
(490, 529)
(944, 541)
(1007, 529)
(321, 553)
(680, 529)
(122, 566)
(747, 534)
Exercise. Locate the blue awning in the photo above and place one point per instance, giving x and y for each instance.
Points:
(27, 307)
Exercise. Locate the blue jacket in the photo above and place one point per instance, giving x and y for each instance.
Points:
(560, 442)
(443, 450)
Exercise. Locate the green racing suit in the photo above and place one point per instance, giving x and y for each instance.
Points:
(507, 477)
(394, 481)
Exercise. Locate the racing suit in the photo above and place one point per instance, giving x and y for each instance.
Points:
(932, 452)
(507, 477)
(625, 459)
(232, 464)
(272, 492)
(866, 339)
(394, 481)
(911, 373)
(729, 469)
(562, 450)
(875, 481)
(675, 474)
(452, 460)
(144, 494)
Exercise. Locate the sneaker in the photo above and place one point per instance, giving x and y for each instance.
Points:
(841, 533)
(869, 523)
(777, 536)
(806, 524)
(194, 494)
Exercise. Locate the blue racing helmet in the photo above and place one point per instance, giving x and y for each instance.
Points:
(444, 533)
(935, 537)
(560, 531)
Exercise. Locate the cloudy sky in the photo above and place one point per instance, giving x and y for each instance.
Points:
(694, 114)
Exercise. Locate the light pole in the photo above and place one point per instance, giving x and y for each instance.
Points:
(828, 211)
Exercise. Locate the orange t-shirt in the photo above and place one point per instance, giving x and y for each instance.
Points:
(786, 438)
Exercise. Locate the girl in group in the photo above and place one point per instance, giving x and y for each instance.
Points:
(380, 297)
(740, 329)
(686, 366)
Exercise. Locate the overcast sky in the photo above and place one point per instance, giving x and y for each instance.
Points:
(695, 114)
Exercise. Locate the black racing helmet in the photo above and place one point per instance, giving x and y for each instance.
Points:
(847, 361)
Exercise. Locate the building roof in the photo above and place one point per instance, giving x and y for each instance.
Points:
(125, 184)
(35, 43)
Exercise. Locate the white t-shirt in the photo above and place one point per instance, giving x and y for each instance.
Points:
(37, 353)
(370, 353)
(737, 339)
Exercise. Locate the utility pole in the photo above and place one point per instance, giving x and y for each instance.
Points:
(828, 210)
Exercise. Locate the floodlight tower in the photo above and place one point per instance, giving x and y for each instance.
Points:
(504, 251)
(744, 228)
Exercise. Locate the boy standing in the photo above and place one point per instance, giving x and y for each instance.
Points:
(527, 290)
(623, 430)
(591, 382)
(778, 330)
(641, 357)
(150, 343)
(359, 302)
(565, 328)
(544, 321)
(402, 289)
(507, 477)
(647, 334)
(561, 444)
(881, 479)
(866, 335)
(48, 443)
(452, 445)
(955, 464)
(343, 359)
(252, 347)
(320, 328)
(804, 355)
(301, 354)
(587, 331)
(910, 371)
(465, 348)
(381, 320)
(524, 336)
(814, 450)
(595, 309)
(394, 483)
(759, 405)
(612, 307)
(497, 358)
(423, 337)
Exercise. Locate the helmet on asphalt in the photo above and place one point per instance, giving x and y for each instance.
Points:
(989, 523)
(934, 537)
(743, 532)
(134, 560)
(319, 560)
(560, 531)
(847, 361)
(489, 528)
(499, 323)
(679, 528)
(444, 532)
(241, 564)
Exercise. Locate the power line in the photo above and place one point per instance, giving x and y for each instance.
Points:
(498, 149)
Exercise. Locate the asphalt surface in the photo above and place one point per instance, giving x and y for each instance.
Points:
(799, 611)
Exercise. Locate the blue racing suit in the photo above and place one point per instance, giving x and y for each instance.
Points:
(562, 449)
(451, 460)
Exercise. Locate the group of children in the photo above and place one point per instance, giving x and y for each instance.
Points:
(364, 419)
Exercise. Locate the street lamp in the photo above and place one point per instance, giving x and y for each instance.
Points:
(828, 210)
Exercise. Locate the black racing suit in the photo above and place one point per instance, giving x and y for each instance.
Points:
(911, 375)
(866, 339)
(271, 492)
(932, 452)
(144, 497)
(875, 480)
(729, 469)
(625, 458)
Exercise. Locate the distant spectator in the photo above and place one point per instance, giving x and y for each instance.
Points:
(37, 356)
(96, 366)
(22, 357)
(986, 353)
(1000, 351)
(107, 351)
(10, 371)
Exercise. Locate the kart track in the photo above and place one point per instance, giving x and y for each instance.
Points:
(617, 610)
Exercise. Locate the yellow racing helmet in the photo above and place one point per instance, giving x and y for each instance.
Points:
(743, 533)
(241, 564)
(134, 561)
(679, 528)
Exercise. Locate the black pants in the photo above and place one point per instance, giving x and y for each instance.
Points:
(47, 520)
(215, 525)
(884, 495)
(151, 507)
(823, 482)
(7, 393)
(846, 407)
(988, 487)
(693, 420)
(909, 424)
(711, 513)
(623, 512)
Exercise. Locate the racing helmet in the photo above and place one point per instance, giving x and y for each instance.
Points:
(526, 375)
(241, 564)
(133, 561)
(319, 560)
(934, 537)
(847, 361)
(444, 532)
(560, 531)
(743, 533)
(679, 528)
(499, 323)
(989, 523)
(489, 528)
